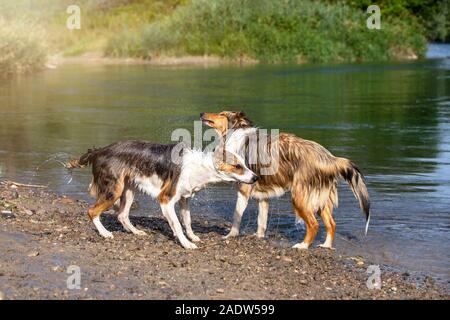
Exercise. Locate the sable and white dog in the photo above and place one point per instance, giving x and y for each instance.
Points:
(124, 167)
(303, 167)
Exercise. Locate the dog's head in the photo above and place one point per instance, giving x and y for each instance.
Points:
(231, 167)
(226, 120)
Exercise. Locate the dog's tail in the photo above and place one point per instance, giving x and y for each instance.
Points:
(83, 161)
(355, 179)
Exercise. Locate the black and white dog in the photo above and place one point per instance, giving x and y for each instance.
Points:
(122, 168)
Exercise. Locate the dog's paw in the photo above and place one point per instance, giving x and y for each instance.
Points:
(325, 246)
(189, 245)
(107, 235)
(194, 238)
(140, 233)
(231, 234)
(301, 246)
(259, 235)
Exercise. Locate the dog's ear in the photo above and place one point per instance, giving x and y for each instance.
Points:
(239, 119)
(220, 154)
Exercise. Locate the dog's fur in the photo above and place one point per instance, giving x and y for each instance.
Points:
(122, 168)
(305, 168)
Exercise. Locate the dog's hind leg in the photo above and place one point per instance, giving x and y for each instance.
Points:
(263, 212)
(186, 217)
(312, 226)
(242, 201)
(110, 193)
(126, 200)
(95, 212)
(330, 225)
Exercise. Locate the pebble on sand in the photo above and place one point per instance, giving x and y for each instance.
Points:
(28, 212)
(33, 254)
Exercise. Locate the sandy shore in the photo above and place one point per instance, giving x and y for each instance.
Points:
(95, 58)
(42, 234)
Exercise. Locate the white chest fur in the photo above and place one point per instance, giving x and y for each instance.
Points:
(149, 185)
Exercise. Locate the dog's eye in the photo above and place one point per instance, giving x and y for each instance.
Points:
(238, 166)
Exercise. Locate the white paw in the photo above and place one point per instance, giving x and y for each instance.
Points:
(259, 235)
(140, 232)
(233, 233)
(107, 234)
(194, 238)
(301, 246)
(326, 246)
(189, 245)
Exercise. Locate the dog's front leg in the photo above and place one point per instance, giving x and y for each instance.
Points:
(263, 212)
(244, 192)
(186, 216)
(168, 210)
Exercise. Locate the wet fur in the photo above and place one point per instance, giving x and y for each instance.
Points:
(305, 168)
(122, 168)
(124, 162)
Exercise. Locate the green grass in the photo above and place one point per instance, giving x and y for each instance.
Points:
(272, 31)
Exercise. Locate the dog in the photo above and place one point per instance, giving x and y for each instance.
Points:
(122, 168)
(305, 168)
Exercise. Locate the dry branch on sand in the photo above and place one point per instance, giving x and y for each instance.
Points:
(18, 184)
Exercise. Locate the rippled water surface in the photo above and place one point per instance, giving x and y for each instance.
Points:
(391, 119)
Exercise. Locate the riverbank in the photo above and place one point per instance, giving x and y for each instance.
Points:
(97, 58)
(178, 32)
(43, 233)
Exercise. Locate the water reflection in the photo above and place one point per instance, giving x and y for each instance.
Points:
(391, 119)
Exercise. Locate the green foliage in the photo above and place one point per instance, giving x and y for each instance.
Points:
(123, 44)
(275, 31)
(109, 26)
(432, 14)
(101, 20)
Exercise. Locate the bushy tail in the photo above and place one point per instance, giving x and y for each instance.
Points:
(355, 179)
(83, 161)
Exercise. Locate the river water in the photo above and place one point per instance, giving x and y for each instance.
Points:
(392, 119)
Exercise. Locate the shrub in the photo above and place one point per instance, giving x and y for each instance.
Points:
(274, 31)
(22, 47)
